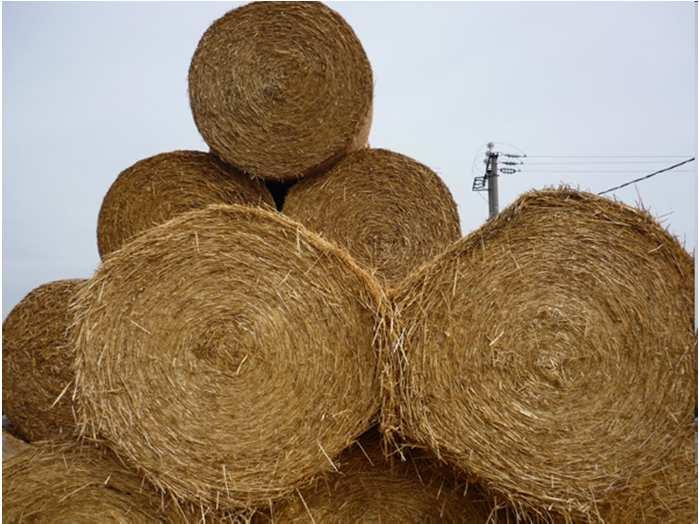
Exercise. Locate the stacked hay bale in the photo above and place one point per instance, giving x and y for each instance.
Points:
(370, 487)
(156, 189)
(228, 355)
(390, 212)
(37, 362)
(551, 353)
(69, 482)
(281, 89)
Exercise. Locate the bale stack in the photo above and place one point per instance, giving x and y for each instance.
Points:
(37, 362)
(225, 360)
(551, 353)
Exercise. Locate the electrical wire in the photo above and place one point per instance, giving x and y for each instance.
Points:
(604, 162)
(584, 171)
(604, 156)
(649, 175)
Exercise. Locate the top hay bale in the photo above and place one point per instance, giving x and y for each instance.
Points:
(59, 482)
(155, 189)
(550, 353)
(370, 488)
(281, 89)
(228, 355)
(390, 212)
(37, 362)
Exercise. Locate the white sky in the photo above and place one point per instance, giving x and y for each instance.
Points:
(88, 89)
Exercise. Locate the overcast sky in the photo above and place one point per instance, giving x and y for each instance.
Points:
(88, 89)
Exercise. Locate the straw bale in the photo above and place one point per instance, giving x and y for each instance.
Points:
(37, 372)
(551, 354)
(390, 212)
(59, 482)
(155, 189)
(228, 355)
(281, 89)
(368, 487)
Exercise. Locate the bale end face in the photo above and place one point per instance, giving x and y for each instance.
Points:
(391, 213)
(281, 90)
(368, 487)
(37, 371)
(70, 482)
(555, 345)
(228, 353)
(156, 189)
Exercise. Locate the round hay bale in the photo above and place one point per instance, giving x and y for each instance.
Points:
(11, 445)
(228, 354)
(155, 189)
(369, 488)
(37, 372)
(551, 353)
(281, 89)
(390, 212)
(62, 482)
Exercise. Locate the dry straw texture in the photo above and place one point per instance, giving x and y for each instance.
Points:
(369, 488)
(389, 211)
(667, 495)
(228, 354)
(281, 89)
(70, 483)
(155, 189)
(37, 372)
(550, 354)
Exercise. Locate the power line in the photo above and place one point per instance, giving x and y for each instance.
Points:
(583, 171)
(604, 162)
(603, 156)
(649, 175)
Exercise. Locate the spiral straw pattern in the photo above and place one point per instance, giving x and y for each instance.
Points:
(369, 488)
(281, 89)
(156, 189)
(390, 212)
(228, 355)
(37, 362)
(59, 482)
(551, 354)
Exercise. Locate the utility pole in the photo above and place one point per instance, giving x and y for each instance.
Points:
(489, 181)
(491, 178)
